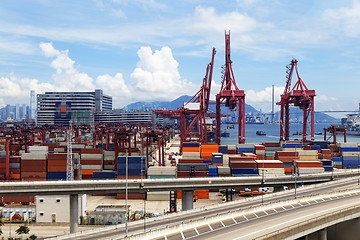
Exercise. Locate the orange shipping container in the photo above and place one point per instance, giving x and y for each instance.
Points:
(191, 149)
(57, 168)
(15, 176)
(89, 171)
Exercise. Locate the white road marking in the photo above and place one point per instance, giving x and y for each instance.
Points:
(265, 212)
(246, 218)
(222, 224)
(210, 227)
(197, 232)
(275, 210)
(293, 220)
(182, 234)
(256, 215)
(234, 220)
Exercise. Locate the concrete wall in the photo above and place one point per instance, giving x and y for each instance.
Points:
(57, 207)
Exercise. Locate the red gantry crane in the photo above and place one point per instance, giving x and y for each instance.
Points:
(298, 96)
(193, 112)
(230, 95)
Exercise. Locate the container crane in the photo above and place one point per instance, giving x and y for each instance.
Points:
(230, 95)
(193, 112)
(298, 96)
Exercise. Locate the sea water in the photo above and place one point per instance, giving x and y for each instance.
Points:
(273, 133)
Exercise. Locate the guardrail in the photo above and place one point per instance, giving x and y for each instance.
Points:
(136, 185)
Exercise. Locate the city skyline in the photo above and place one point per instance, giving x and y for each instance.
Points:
(155, 50)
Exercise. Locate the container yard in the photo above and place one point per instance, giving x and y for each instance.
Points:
(118, 151)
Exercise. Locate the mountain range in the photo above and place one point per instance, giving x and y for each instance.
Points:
(175, 104)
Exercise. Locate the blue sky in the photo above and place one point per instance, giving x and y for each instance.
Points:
(158, 50)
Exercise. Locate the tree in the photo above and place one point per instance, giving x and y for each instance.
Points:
(22, 230)
(33, 237)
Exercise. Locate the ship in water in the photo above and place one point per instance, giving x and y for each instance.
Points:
(352, 123)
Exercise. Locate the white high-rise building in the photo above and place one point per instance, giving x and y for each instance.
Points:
(32, 105)
(17, 111)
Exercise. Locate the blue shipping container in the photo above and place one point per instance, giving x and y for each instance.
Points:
(56, 175)
(104, 175)
(247, 171)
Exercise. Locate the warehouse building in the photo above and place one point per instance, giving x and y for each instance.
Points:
(122, 116)
(58, 108)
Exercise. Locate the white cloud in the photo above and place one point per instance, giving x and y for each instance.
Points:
(157, 75)
(345, 19)
(208, 20)
(262, 99)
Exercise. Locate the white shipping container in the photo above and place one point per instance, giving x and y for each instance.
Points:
(192, 106)
(158, 196)
(162, 171)
(86, 156)
(91, 167)
(310, 170)
(34, 156)
(307, 152)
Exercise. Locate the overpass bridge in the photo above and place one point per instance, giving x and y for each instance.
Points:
(201, 214)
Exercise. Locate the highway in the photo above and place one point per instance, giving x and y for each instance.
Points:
(258, 225)
(112, 232)
(147, 185)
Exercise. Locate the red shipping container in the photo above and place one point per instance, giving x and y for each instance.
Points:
(259, 147)
(57, 156)
(232, 151)
(217, 164)
(310, 164)
(2, 165)
(243, 164)
(33, 175)
(15, 170)
(241, 159)
(33, 163)
(57, 168)
(57, 162)
(109, 162)
(91, 150)
(22, 199)
(86, 177)
(270, 165)
(15, 159)
(286, 154)
(91, 162)
(33, 179)
(271, 144)
(131, 196)
(33, 168)
(185, 161)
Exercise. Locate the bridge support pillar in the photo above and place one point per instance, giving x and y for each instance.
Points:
(187, 199)
(323, 234)
(74, 213)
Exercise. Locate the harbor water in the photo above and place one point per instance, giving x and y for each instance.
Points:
(273, 133)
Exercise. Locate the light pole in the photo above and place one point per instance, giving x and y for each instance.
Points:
(358, 171)
(126, 197)
(262, 184)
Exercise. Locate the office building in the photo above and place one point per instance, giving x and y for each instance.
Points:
(58, 108)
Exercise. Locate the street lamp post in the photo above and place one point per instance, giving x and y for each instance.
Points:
(126, 197)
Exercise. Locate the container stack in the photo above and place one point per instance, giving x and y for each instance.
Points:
(243, 166)
(162, 173)
(217, 159)
(272, 146)
(269, 155)
(327, 165)
(207, 150)
(292, 146)
(326, 154)
(223, 149)
(337, 162)
(57, 166)
(14, 166)
(270, 167)
(308, 167)
(319, 144)
(213, 171)
(192, 170)
(104, 175)
(246, 147)
(223, 171)
(308, 155)
(231, 149)
(109, 160)
(260, 151)
(33, 166)
(137, 166)
(350, 155)
(91, 161)
(287, 158)
(191, 150)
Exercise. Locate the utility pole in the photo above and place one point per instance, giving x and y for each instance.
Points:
(69, 164)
